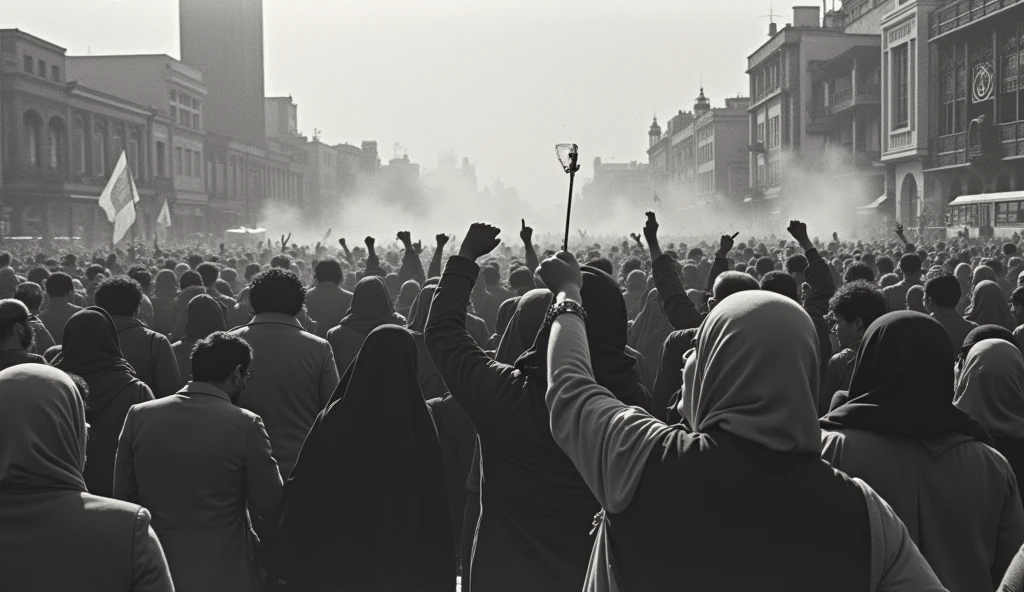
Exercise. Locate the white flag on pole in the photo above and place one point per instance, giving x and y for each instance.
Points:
(164, 218)
(119, 198)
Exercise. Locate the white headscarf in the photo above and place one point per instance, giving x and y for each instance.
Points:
(991, 388)
(755, 373)
(42, 430)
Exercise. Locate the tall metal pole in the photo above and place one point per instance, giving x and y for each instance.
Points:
(568, 208)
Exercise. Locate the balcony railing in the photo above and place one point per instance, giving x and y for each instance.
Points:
(843, 99)
(964, 12)
(948, 150)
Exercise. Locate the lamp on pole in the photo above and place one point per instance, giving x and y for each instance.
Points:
(567, 156)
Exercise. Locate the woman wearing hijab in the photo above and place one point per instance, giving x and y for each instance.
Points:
(755, 430)
(901, 433)
(984, 273)
(203, 317)
(406, 296)
(649, 331)
(976, 336)
(990, 389)
(429, 378)
(165, 291)
(989, 307)
(371, 308)
(366, 506)
(536, 511)
(54, 534)
(90, 349)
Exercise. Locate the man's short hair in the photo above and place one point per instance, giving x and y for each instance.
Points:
(194, 261)
(764, 266)
(59, 285)
(188, 279)
(885, 265)
(142, 275)
(859, 300)
(1018, 296)
(910, 263)
(12, 313)
(251, 270)
(119, 296)
(209, 273)
(491, 275)
(216, 357)
(859, 271)
(944, 290)
(522, 277)
(281, 262)
(93, 270)
(781, 283)
(31, 294)
(995, 264)
(796, 264)
(732, 282)
(5, 259)
(328, 270)
(277, 290)
(38, 275)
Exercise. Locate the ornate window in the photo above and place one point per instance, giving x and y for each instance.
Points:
(78, 145)
(55, 137)
(99, 149)
(33, 138)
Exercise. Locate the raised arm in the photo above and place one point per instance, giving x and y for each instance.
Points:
(347, 253)
(680, 310)
(412, 267)
(908, 247)
(721, 263)
(818, 275)
(473, 379)
(526, 234)
(373, 267)
(607, 441)
(435, 261)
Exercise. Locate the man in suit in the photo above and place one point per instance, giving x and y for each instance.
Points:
(293, 372)
(195, 460)
(328, 303)
(60, 289)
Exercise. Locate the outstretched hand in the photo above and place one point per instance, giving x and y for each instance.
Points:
(651, 227)
(726, 244)
(369, 242)
(799, 232)
(561, 274)
(636, 238)
(341, 242)
(480, 240)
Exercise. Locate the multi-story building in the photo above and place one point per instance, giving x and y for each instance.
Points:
(976, 107)
(172, 89)
(804, 100)
(623, 182)
(62, 140)
(672, 159)
(223, 39)
(720, 148)
(282, 117)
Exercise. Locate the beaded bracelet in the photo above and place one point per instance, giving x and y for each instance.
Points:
(564, 307)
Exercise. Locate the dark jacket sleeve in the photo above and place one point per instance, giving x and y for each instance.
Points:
(412, 268)
(720, 266)
(149, 565)
(373, 267)
(263, 482)
(167, 376)
(475, 381)
(681, 311)
(823, 287)
(435, 263)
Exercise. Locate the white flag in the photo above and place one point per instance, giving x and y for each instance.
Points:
(118, 199)
(164, 218)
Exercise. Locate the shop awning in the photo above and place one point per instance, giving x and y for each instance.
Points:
(875, 204)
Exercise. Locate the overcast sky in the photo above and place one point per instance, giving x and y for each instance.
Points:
(499, 81)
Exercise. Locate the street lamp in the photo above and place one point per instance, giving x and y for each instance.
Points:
(567, 155)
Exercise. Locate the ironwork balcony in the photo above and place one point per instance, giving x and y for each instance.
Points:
(867, 95)
(961, 13)
(948, 150)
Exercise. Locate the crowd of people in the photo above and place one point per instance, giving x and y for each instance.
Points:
(778, 413)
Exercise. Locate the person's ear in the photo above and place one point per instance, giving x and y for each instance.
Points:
(858, 324)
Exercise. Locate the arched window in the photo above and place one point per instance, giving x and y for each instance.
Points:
(99, 149)
(78, 145)
(33, 136)
(133, 152)
(116, 142)
(55, 133)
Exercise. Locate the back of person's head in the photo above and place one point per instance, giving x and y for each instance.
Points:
(277, 290)
(732, 282)
(31, 294)
(868, 258)
(224, 288)
(215, 358)
(889, 279)
(92, 271)
(491, 275)
(190, 278)
(59, 285)
(636, 281)
(38, 275)
(796, 264)
(695, 253)
(1009, 249)
(859, 271)
(995, 264)
(910, 264)
(142, 275)
(691, 275)
(600, 263)
(885, 265)
(781, 283)
(764, 266)
(120, 296)
(70, 260)
(12, 314)
(281, 262)
(5, 259)
(194, 261)
(165, 281)
(859, 300)
(209, 273)
(629, 265)
(229, 275)
(328, 270)
(943, 291)
(251, 270)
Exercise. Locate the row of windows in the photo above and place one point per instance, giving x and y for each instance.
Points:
(973, 215)
(188, 162)
(38, 67)
(706, 182)
(706, 153)
(186, 110)
(92, 151)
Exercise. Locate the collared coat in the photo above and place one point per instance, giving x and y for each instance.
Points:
(56, 315)
(150, 354)
(197, 487)
(293, 378)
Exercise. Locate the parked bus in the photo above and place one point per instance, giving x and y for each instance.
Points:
(987, 214)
